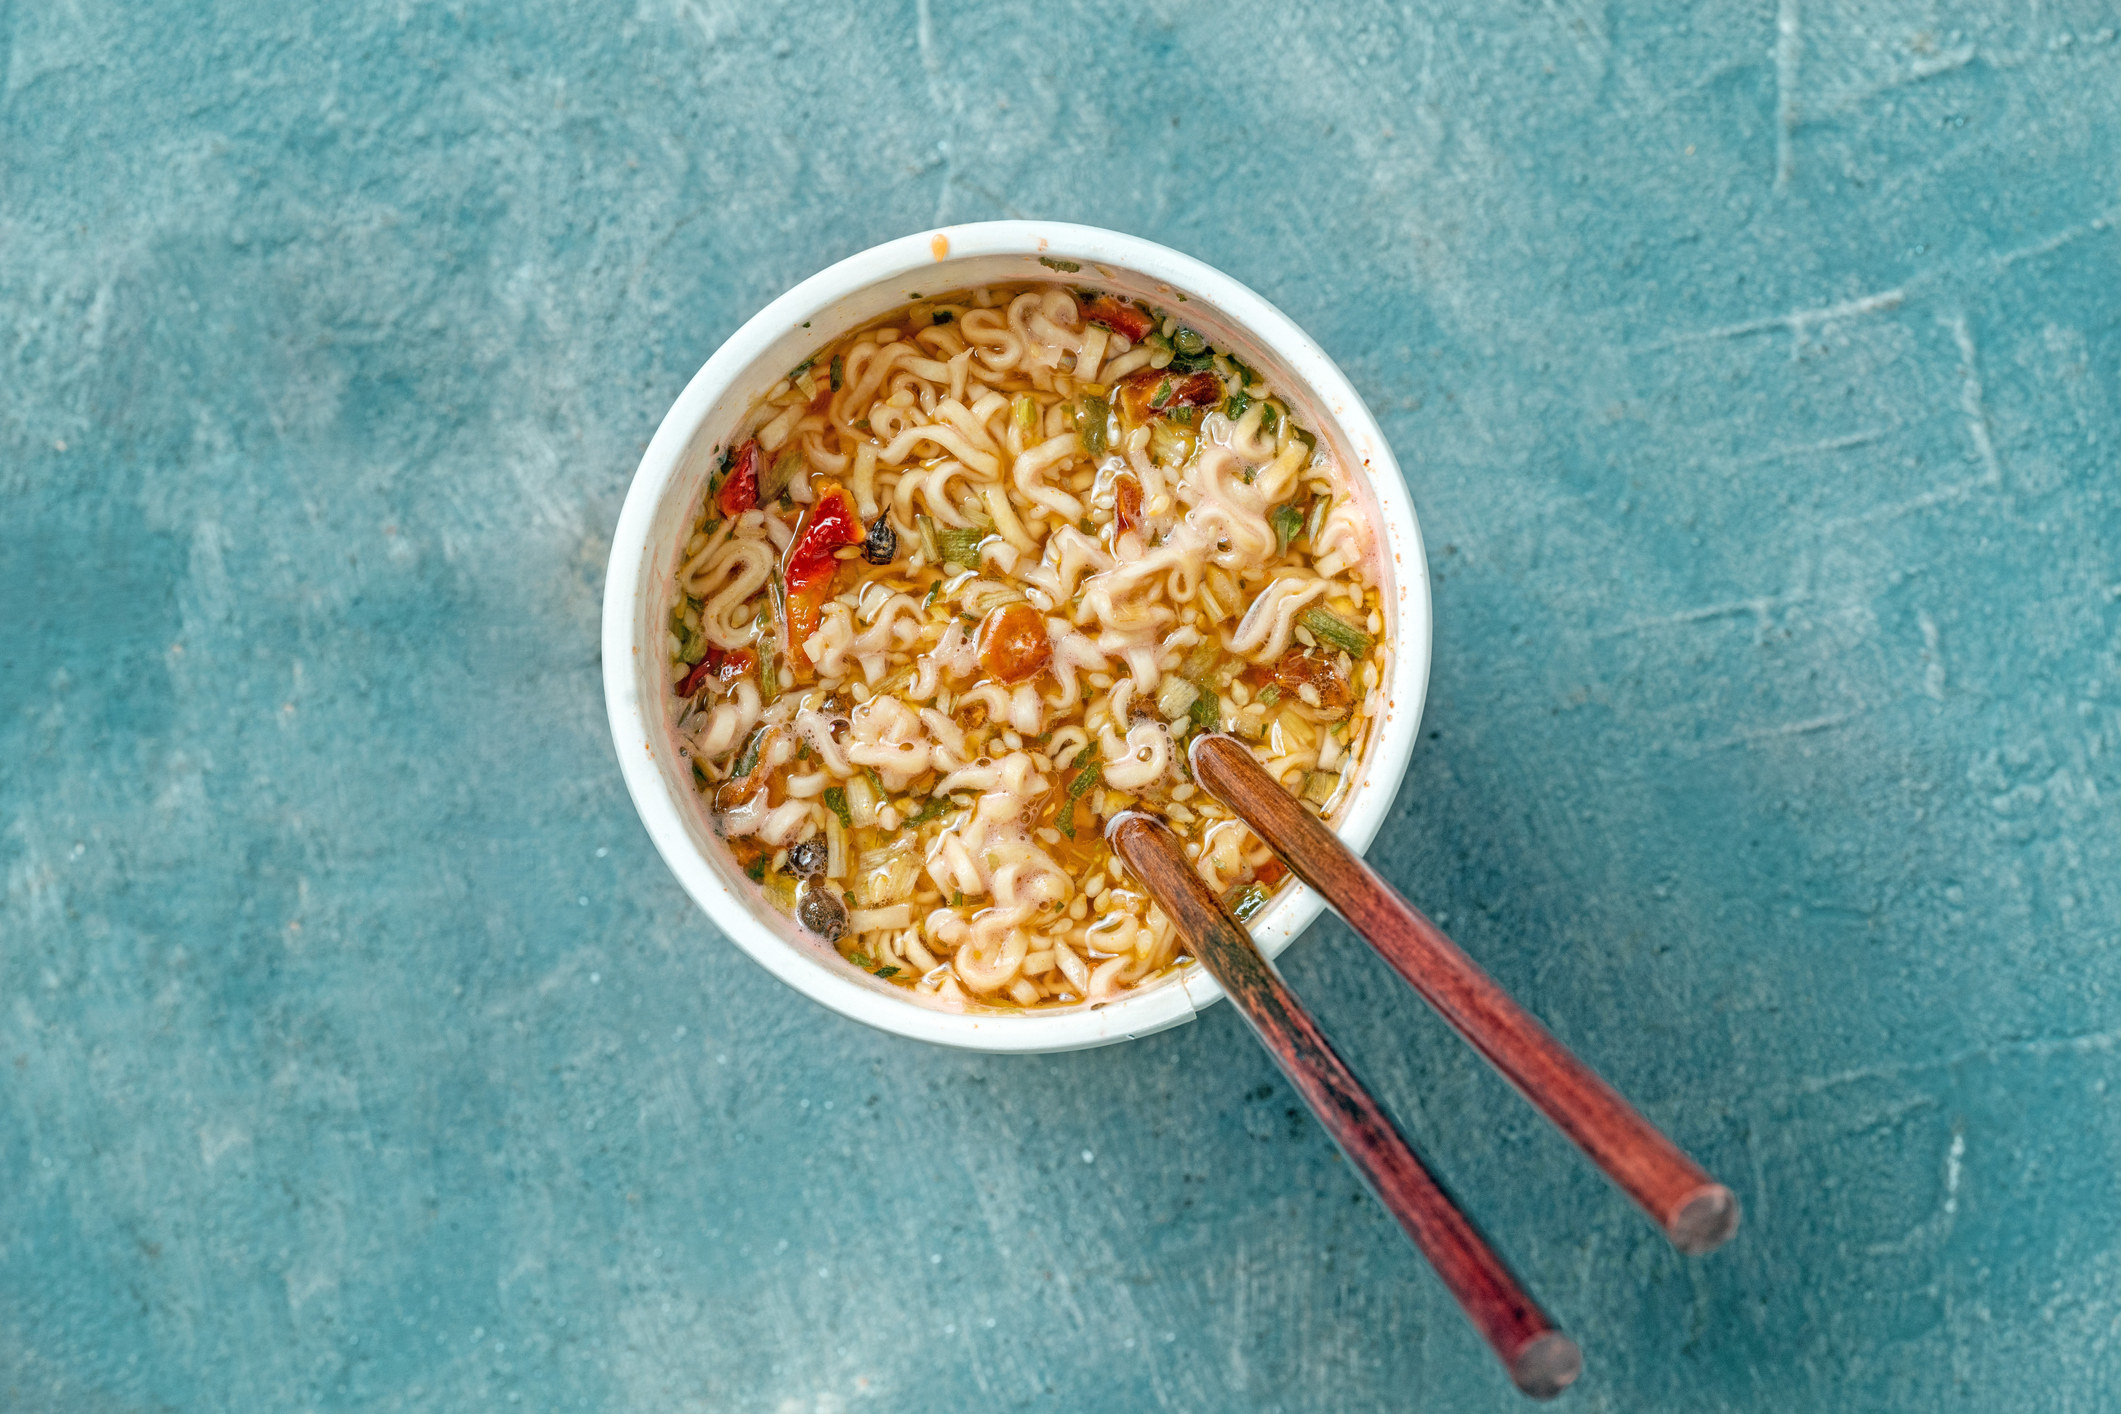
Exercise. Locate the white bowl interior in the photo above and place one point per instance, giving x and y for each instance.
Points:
(673, 479)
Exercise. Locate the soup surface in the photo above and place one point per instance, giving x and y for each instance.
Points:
(961, 587)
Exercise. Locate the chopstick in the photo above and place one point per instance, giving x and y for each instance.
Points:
(1697, 1213)
(1540, 1359)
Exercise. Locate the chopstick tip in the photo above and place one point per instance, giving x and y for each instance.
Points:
(1547, 1366)
(1705, 1221)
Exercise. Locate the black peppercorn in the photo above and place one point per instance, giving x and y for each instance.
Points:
(821, 911)
(881, 546)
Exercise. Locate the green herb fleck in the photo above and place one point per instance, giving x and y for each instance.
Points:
(1270, 421)
(929, 810)
(836, 802)
(1090, 426)
(957, 898)
(1066, 267)
(804, 367)
(756, 870)
(1207, 711)
(1090, 776)
(935, 591)
(839, 372)
(1269, 695)
(942, 316)
(1288, 523)
(1235, 406)
(861, 959)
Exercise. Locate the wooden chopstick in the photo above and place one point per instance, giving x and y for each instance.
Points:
(1697, 1213)
(1541, 1360)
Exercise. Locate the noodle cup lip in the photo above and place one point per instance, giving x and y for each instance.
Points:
(665, 489)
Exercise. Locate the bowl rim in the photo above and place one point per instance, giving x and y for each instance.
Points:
(636, 717)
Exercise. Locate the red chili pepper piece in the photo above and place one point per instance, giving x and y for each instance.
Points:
(1126, 503)
(1119, 317)
(1013, 644)
(807, 571)
(1298, 669)
(1152, 391)
(740, 488)
(719, 663)
(699, 673)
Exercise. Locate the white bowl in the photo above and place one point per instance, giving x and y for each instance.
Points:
(666, 494)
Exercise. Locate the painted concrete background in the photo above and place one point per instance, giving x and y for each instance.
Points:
(1758, 375)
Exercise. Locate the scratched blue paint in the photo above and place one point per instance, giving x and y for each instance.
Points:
(1758, 374)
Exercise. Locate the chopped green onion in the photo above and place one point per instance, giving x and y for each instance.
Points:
(836, 802)
(1090, 425)
(1270, 420)
(957, 898)
(1333, 629)
(1169, 444)
(1234, 407)
(1200, 663)
(1157, 339)
(1026, 409)
(925, 525)
(935, 591)
(929, 810)
(749, 760)
(1245, 900)
(839, 372)
(769, 678)
(1207, 711)
(861, 960)
(1288, 523)
(774, 480)
(756, 870)
(1319, 786)
(959, 547)
(1189, 341)
(780, 892)
(804, 367)
(1307, 439)
(1067, 267)
(887, 972)
(1269, 695)
(942, 316)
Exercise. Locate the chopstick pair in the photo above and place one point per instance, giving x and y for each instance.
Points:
(1695, 1212)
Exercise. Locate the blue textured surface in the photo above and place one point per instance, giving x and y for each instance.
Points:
(1759, 378)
